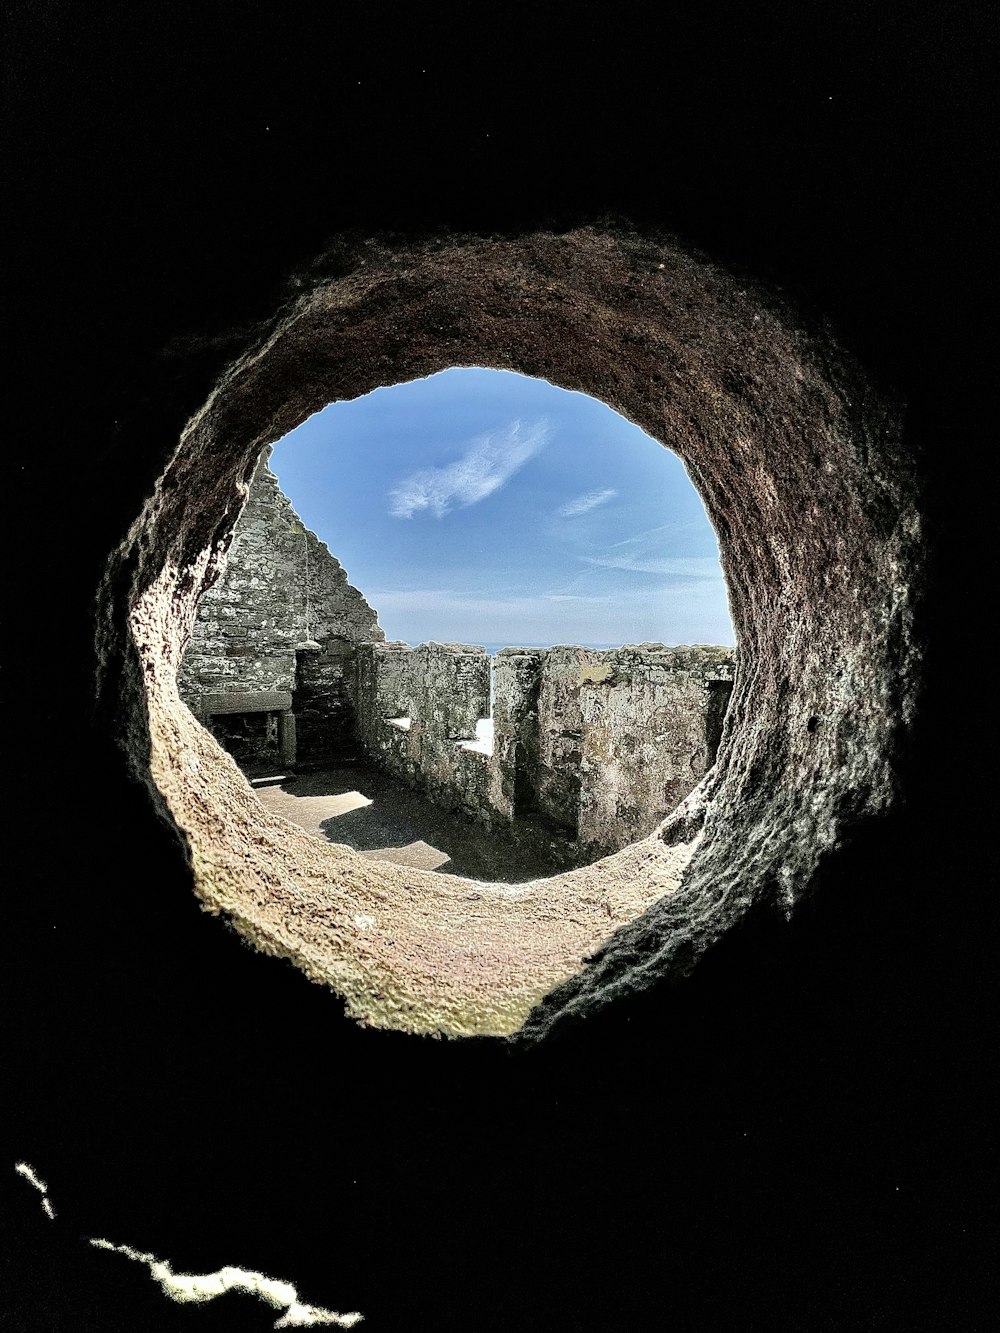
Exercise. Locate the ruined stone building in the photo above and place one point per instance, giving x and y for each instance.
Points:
(270, 661)
(585, 752)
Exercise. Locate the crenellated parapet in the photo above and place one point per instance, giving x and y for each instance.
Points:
(418, 716)
(587, 750)
(446, 686)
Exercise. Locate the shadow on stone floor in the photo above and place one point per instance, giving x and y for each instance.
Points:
(380, 818)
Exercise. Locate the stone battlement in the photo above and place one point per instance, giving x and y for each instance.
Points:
(587, 749)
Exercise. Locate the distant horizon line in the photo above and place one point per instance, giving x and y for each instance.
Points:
(521, 643)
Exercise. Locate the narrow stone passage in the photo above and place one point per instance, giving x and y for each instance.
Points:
(382, 819)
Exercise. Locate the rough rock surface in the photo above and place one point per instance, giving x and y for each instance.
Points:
(416, 707)
(801, 470)
(647, 718)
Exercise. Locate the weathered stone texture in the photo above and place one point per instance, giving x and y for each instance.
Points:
(262, 701)
(591, 750)
(647, 736)
(559, 735)
(603, 745)
(416, 706)
(324, 700)
(281, 616)
(517, 677)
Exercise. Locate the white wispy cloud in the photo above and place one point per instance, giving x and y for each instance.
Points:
(688, 613)
(583, 504)
(486, 466)
(643, 554)
(687, 566)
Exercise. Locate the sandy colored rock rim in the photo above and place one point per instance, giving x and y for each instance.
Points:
(407, 949)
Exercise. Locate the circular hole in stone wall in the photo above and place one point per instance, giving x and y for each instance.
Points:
(800, 467)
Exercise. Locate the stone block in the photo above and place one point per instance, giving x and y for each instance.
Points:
(239, 701)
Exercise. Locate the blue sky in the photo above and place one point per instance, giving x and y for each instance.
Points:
(483, 506)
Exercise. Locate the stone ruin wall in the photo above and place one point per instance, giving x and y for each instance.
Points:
(280, 591)
(417, 712)
(604, 744)
(589, 749)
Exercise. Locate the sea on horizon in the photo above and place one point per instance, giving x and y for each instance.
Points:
(493, 648)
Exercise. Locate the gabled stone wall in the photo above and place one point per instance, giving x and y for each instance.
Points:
(282, 616)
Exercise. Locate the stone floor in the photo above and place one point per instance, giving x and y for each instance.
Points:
(382, 819)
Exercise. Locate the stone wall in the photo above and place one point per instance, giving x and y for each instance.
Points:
(418, 710)
(586, 751)
(601, 746)
(651, 729)
(443, 687)
(281, 617)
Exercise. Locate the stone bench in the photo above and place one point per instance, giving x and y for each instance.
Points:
(256, 701)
